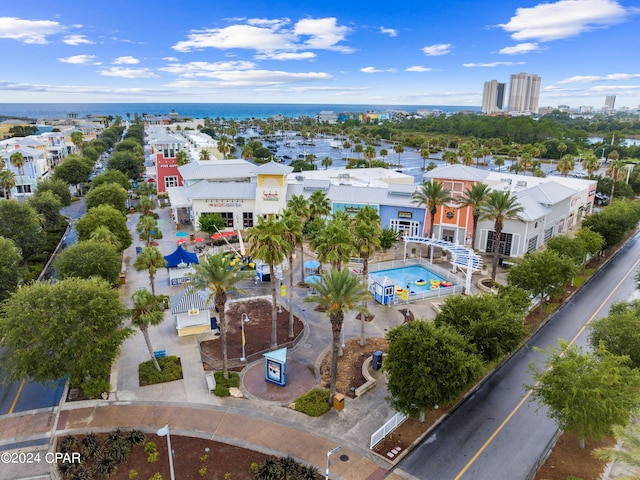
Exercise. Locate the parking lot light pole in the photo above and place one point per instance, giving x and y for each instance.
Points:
(243, 319)
(161, 433)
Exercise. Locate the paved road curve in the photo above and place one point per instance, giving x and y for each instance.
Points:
(497, 433)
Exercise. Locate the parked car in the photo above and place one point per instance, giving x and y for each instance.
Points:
(579, 174)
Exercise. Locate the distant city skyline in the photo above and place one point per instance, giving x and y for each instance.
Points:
(408, 53)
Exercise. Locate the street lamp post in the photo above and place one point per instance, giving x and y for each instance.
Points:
(243, 319)
(161, 433)
(329, 453)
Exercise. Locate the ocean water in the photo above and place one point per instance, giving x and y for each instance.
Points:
(235, 111)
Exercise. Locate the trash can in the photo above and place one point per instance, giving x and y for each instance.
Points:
(338, 402)
(191, 237)
(138, 250)
(376, 361)
(123, 278)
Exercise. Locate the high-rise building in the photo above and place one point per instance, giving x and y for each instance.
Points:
(610, 103)
(524, 93)
(493, 97)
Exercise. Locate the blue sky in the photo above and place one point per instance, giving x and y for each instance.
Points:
(351, 51)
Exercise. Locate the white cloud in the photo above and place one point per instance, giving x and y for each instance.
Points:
(521, 48)
(77, 40)
(286, 56)
(128, 72)
(600, 78)
(563, 19)
(78, 59)
(170, 59)
(418, 68)
(195, 69)
(270, 36)
(492, 64)
(28, 31)
(250, 78)
(389, 31)
(126, 60)
(437, 49)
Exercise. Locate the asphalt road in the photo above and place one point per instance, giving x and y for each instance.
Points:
(21, 396)
(498, 432)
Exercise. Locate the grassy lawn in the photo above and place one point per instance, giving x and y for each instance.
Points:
(171, 369)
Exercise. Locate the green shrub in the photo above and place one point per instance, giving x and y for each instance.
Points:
(136, 437)
(314, 403)
(153, 457)
(222, 385)
(150, 447)
(133, 474)
(170, 370)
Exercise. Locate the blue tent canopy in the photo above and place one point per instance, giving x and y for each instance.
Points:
(180, 256)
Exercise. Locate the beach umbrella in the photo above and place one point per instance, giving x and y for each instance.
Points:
(182, 234)
(311, 279)
(198, 239)
(182, 241)
(311, 264)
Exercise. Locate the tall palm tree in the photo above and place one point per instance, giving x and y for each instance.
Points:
(204, 154)
(7, 181)
(299, 205)
(591, 163)
(499, 207)
(216, 274)
(566, 164)
(367, 231)
(473, 198)
(399, 148)
(431, 195)
(182, 158)
(146, 312)
(145, 205)
(266, 242)
(319, 205)
(293, 236)
(146, 225)
(615, 171)
(334, 243)
(370, 154)
(151, 259)
(450, 157)
(338, 292)
(18, 161)
(224, 147)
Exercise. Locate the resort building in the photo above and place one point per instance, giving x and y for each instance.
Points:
(524, 93)
(493, 97)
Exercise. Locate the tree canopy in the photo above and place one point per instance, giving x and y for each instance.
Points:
(9, 273)
(108, 216)
(427, 366)
(71, 327)
(89, 259)
(108, 194)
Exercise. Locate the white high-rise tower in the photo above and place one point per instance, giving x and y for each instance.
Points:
(493, 97)
(524, 93)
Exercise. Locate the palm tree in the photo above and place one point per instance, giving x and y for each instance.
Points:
(224, 146)
(591, 163)
(370, 154)
(431, 194)
(326, 162)
(450, 157)
(146, 312)
(146, 225)
(319, 205)
(300, 206)
(499, 207)
(216, 274)
(367, 231)
(566, 164)
(473, 198)
(7, 181)
(334, 243)
(151, 259)
(204, 154)
(182, 158)
(615, 171)
(266, 242)
(338, 292)
(293, 236)
(18, 161)
(77, 138)
(145, 205)
(102, 234)
(562, 147)
(247, 152)
(629, 454)
(399, 148)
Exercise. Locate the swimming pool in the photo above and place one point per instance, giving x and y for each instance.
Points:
(404, 276)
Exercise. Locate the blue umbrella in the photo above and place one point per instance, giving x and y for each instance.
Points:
(182, 234)
(312, 279)
(311, 264)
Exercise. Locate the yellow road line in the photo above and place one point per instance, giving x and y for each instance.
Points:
(528, 394)
(15, 400)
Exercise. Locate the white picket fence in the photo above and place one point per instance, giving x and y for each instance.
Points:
(386, 429)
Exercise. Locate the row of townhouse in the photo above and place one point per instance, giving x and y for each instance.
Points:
(42, 153)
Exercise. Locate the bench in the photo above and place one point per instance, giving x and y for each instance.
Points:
(160, 353)
(211, 382)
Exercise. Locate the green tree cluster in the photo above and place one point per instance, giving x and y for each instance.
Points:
(613, 222)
